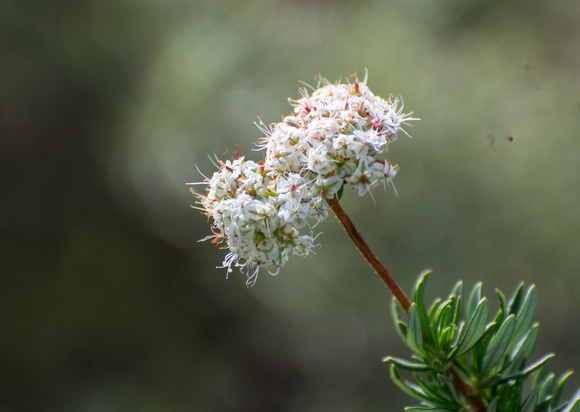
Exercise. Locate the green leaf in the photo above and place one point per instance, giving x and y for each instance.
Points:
(499, 318)
(340, 192)
(406, 386)
(574, 405)
(502, 300)
(455, 309)
(539, 376)
(457, 289)
(446, 336)
(400, 326)
(406, 365)
(559, 386)
(525, 316)
(437, 396)
(528, 370)
(509, 396)
(530, 403)
(559, 408)
(458, 334)
(498, 344)
(490, 381)
(434, 307)
(418, 299)
(458, 312)
(402, 329)
(542, 405)
(414, 331)
(492, 406)
(474, 299)
(545, 391)
(514, 303)
(419, 286)
(524, 349)
(442, 315)
(475, 328)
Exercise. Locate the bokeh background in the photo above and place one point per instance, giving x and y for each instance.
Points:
(107, 300)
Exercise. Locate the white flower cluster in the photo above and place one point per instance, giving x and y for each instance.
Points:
(258, 212)
(337, 134)
(333, 138)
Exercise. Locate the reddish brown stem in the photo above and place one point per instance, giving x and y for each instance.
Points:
(368, 254)
(474, 400)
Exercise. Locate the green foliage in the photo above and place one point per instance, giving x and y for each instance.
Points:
(492, 357)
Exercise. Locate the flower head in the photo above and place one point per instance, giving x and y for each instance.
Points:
(335, 136)
(257, 211)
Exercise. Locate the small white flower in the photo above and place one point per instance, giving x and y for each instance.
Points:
(318, 160)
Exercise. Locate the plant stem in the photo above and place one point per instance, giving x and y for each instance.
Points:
(368, 254)
(361, 244)
(473, 399)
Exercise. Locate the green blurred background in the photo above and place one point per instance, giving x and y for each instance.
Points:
(107, 301)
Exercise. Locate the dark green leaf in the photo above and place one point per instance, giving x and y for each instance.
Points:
(502, 300)
(497, 345)
(514, 303)
(446, 336)
(524, 349)
(458, 334)
(525, 317)
(457, 289)
(447, 313)
(340, 192)
(474, 299)
(499, 318)
(574, 405)
(475, 328)
(530, 402)
(480, 347)
(490, 381)
(437, 396)
(492, 406)
(542, 405)
(434, 307)
(558, 408)
(406, 386)
(528, 370)
(414, 332)
(402, 329)
(420, 285)
(539, 376)
(440, 315)
(509, 396)
(455, 309)
(418, 299)
(406, 365)
(545, 391)
(559, 386)
(458, 312)
(399, 322)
